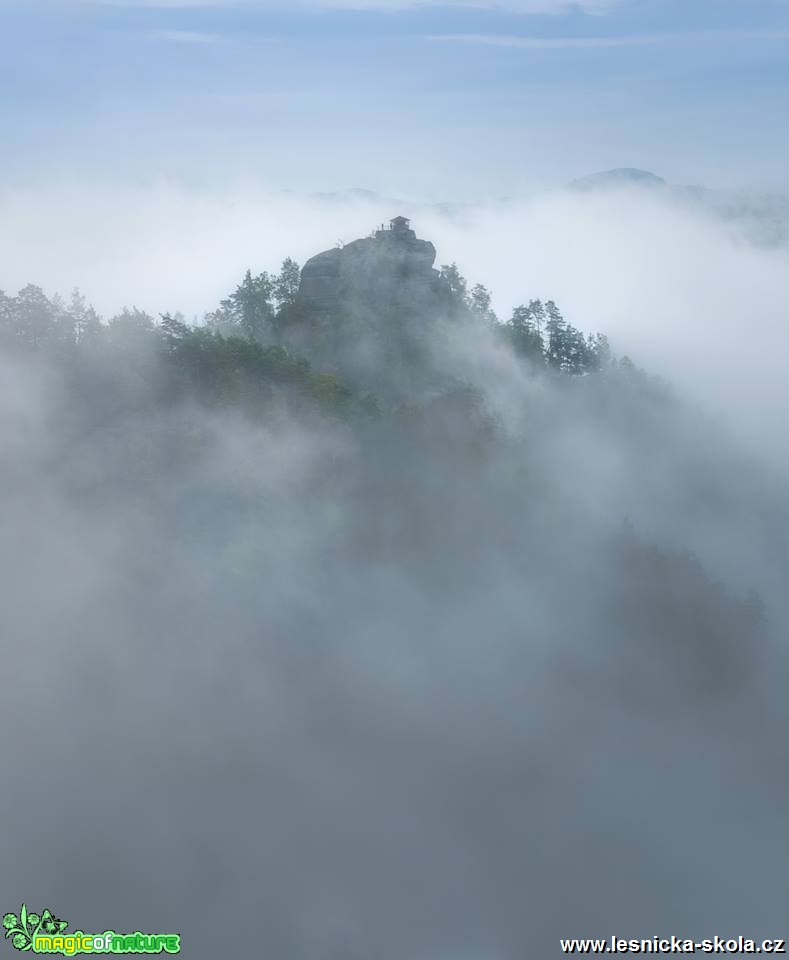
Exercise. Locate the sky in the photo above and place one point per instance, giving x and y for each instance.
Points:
(460, 100)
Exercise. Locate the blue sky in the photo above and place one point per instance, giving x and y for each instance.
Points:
(452, 100)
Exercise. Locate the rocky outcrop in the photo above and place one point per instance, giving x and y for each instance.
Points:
(370, 310)
(392, 264)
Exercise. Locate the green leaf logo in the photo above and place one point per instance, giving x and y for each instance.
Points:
(22, 929)
(50, 924)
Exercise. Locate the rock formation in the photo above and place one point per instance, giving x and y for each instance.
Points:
(390, 265)
(369, 309)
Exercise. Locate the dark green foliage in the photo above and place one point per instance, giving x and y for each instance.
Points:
(133, 368)
(525, 330)
(286, 290)
(286, 284)
(480, 304)
(8, 327)
(249, 310)
(32, 320)
(539, 333)
(455, 284)
(565, 349)
(598, 351)
(259, 305)
(215, 363)
(35, 317)
(237, 357)
(214, 369)
(475, 302)
(84, 321)
(133, 362)
(217, 370)
(130, 328)
(330, 391)
(173, 329)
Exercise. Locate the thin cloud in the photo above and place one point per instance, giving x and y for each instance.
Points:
(186, 36)
(546, 43)
(163, 4)
(589, 43)
(504, 6)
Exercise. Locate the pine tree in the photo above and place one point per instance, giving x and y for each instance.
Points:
(173, 328)
(556, 329)
(249, 308)
(86, 323)
(455, 283)
(525, 330)
(480, 304)
(131, 328)
(6, 317)
(35, 316)
(286, 284)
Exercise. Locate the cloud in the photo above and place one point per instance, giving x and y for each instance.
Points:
(590, 43)
(505, 6)
(672, 284)
(383, 662)
(643, 268)
(165, 4)
(508, 6)
(547, 43)
(358, 688)
(186, 36)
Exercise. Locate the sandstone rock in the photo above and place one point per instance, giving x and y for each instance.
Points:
(391, 265)
(370, 311)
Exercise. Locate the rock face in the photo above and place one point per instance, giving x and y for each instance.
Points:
(392, 264)
(370, 309)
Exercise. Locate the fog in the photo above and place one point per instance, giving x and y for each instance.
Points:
(442, 684)
(691, 293)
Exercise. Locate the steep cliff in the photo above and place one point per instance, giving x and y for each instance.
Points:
(372, 306)
(391, 266)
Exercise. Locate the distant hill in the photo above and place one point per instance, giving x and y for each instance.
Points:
(763, 219)
(620, 177)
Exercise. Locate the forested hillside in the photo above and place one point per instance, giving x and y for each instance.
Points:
(410, 606)
(126, 377)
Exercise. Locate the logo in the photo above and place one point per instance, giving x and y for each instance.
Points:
(44, 933)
